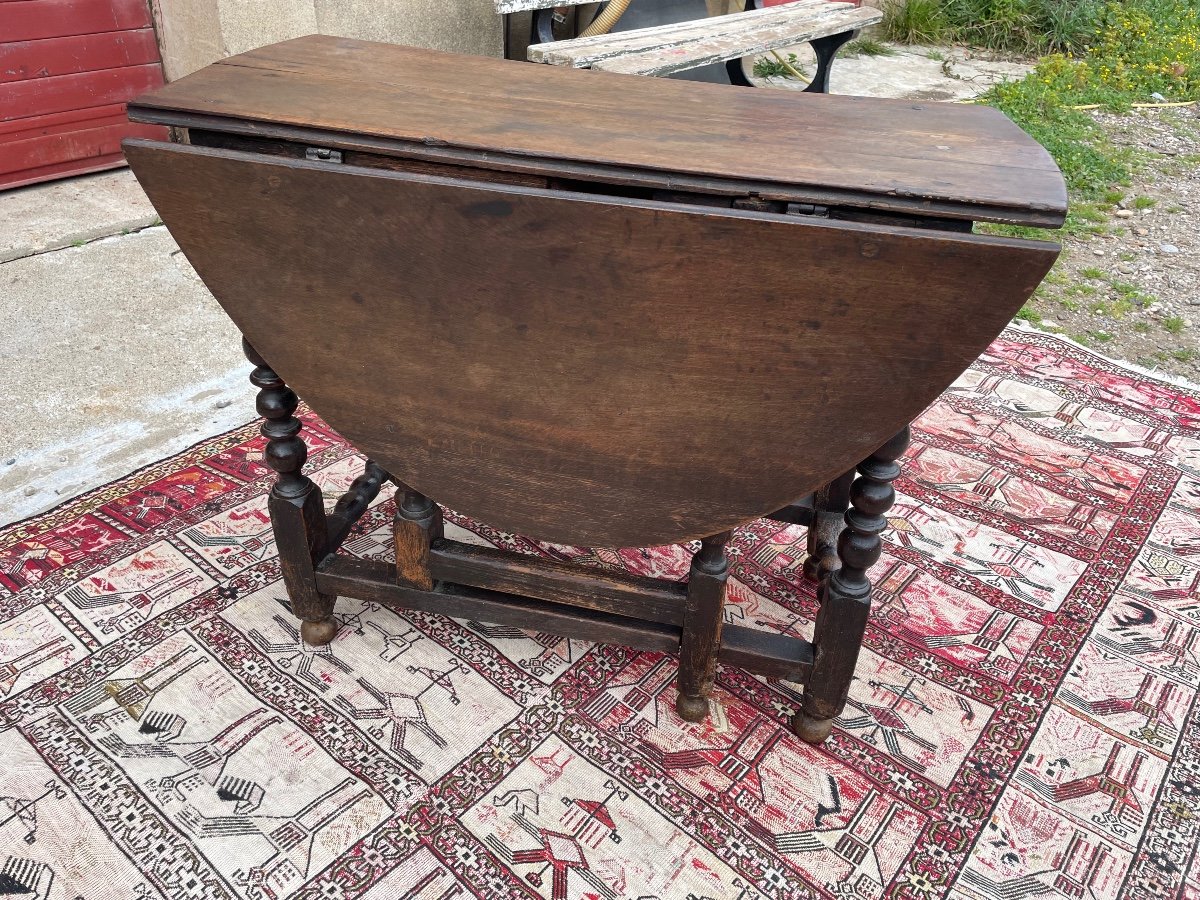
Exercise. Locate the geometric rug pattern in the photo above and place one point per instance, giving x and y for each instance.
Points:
(1023, 723)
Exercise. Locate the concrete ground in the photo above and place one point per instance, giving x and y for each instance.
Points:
(115, 355)
(910, 73)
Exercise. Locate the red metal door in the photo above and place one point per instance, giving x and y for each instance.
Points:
(67, 67)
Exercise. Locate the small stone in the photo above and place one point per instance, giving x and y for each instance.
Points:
(12, 461)
(1049, 323)
(1098, 252)
(62, 459)
(1141, 232)
(1124, 214)
(1169, 248)
(221, 404)
(1154, 308)
(30, 491)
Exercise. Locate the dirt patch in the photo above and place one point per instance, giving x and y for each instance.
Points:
(1128, 286)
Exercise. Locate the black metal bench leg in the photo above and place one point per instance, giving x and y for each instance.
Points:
(826, 49)
(845, 593)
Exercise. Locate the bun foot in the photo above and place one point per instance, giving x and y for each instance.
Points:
(691, 709)
(810, 729)
(319, 633)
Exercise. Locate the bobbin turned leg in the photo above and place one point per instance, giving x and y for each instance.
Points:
(845, 594)
(418, 524)
(295, 503)
(702, 627)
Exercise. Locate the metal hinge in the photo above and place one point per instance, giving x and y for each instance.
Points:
(807, 209)
(323, 154)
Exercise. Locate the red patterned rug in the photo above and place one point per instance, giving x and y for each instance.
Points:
(1023, 724)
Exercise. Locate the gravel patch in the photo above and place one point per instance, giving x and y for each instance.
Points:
(1131, 289)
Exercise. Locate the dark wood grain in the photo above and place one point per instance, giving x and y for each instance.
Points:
(295, 503)
(417, 524)
(961, 154)
(596, 371)
(355, 157)
(773, 655)
(845, 202)
(653, 599)
(701, 639)
(845, 592)
(376, 581)
(352, 504)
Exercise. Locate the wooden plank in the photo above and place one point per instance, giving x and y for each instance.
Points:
(762, 652)
(82, 143)
(22, 99)
(511, 6)
(23, 60)
(800, 512)
(746, 39)
(795, 19)
(655, 599)
(375, 581)
(766, 653)
(558, 394)
(852, 205)
(33, 20)
(960, 156)
(657, 35)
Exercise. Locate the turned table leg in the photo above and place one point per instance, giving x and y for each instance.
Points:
(295, 504)
(702, 619)
(418, 524)
(845, 594)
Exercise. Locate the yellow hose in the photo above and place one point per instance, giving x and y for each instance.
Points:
(607, 19)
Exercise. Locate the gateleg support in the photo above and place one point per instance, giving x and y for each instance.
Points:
(417, 525)
(701, 638)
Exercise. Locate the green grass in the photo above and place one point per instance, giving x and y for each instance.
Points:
(767, 66)
(1023, 26)
(1135, 48)
(1089, 338)
(1182, 354)
(1030, 315)
(1173, 324)
(867, 47)
(916, 22)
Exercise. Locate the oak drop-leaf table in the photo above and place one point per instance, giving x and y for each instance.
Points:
(598, 310)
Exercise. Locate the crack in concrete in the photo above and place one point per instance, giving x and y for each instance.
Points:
(72, 243)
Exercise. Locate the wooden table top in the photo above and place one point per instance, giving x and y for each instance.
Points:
(924, 154)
